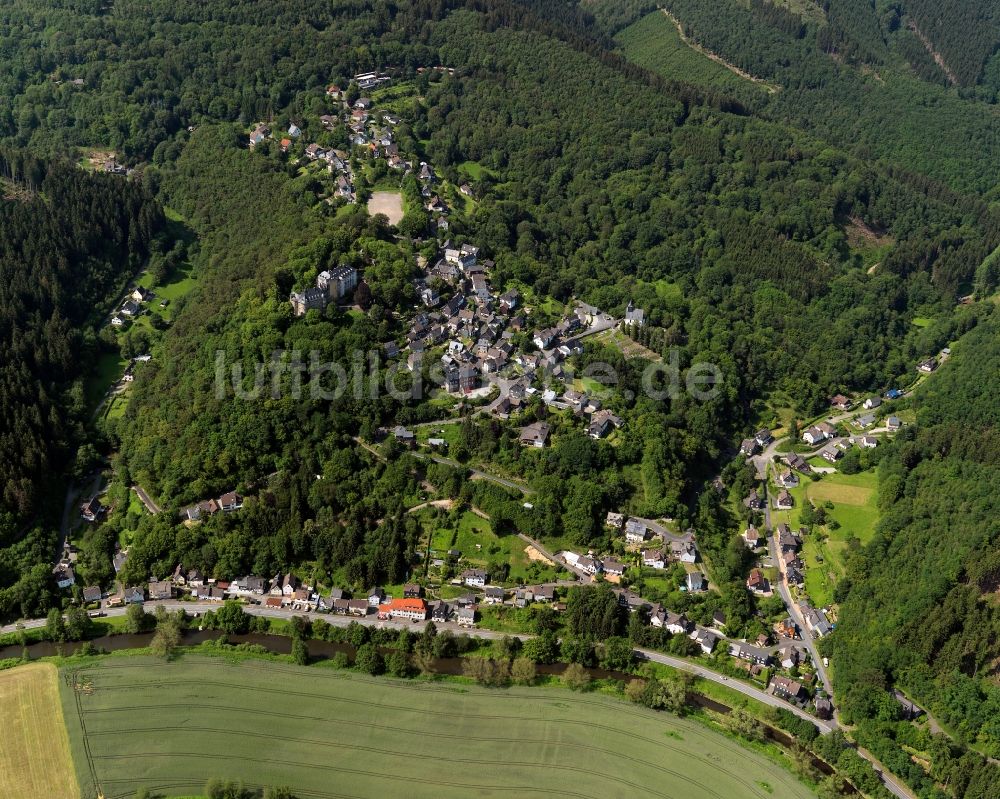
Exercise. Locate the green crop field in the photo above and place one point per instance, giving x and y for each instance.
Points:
(170, 727)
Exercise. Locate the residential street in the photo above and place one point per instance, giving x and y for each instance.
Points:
(761, 696)
(343, 621)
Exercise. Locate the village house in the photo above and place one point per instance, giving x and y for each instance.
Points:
(787, 628)
(493, 595)
(868, 442)
(602, 422)
(840, 402)
(785, 688)
(92, 509)
(653, 559)
(475, 578)
(695, 582)
(871, 403)
(134, 595)
(466, 616)
(230, 501)
(831, 454)
(751, 654)
(407, 609)
(814, 435)
(758, 584)
(684, 551)
(534, 435)
(589, 564)
(544, 593)
(63, 575)
(752, 537)
(673, 623)
(440, 612)
(865, 421)
(798, 463)
(258, 134)
(755, 501)
(784, 501)
(788, 656)
(412, 591)
(509, 300)
(787, 479)
(358, 607)
(823, 707)
(160, 589)
(705, 638)
(403, 436)
(376, 596)
(613, 568)
(817, 622)
(893, 423)
(788, 541)
(928, 366)
(749, 447)
(635, 531)
(614, 520)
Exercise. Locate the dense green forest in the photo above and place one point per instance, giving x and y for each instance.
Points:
(966, 33)
(920, 607)
(860, 80)
(68, 242)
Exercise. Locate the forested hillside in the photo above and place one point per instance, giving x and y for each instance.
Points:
(861, 80)
(817, 234)
(920, 609)
(966, 33)
(68, 241)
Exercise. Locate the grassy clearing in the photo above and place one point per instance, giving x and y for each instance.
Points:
(475, 171)
(855, 509)
(449, 431)
(473, 536)
(34, 749)
(855, 499)
(326, 733)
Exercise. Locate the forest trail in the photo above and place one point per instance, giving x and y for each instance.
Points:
(929, 47)
(772, 88)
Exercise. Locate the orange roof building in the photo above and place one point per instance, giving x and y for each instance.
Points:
(412, 609)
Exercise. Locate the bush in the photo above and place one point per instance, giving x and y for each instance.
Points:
(576, 677)
(369, 659)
